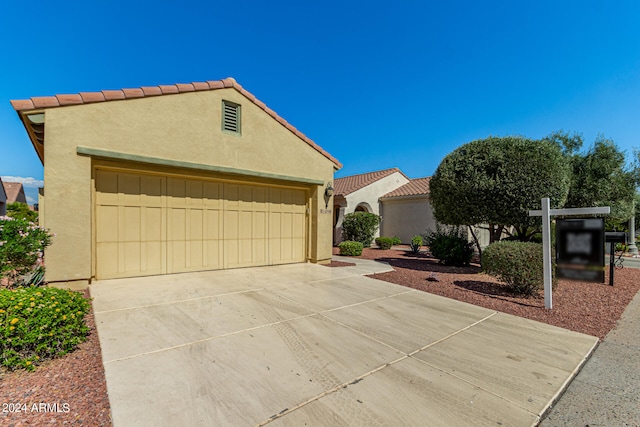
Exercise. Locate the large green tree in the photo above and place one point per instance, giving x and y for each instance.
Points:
(496, 181)
(600, 176)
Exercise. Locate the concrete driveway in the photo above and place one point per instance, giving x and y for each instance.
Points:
(306, 344)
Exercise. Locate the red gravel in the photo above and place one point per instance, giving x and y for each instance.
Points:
(73, 386)
(590, 308)
(335, 263)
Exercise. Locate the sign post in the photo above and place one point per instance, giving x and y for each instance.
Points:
(546, 213)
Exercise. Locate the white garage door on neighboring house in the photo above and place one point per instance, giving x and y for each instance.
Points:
(153, 224)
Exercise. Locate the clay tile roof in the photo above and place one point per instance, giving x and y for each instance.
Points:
(14, 192)
(349, 184)
(69, 99)
(88, 97)
(415, 187)
(133, 93)
(145, 91)
(45, 101)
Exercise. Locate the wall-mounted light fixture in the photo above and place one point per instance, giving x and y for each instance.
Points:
(328, 192)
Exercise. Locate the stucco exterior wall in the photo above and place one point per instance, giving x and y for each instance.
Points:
(406, 217)
(186, 128)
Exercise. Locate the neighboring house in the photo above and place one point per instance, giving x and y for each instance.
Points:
(175, 178)
(3, 199)
(361, 193)
(406, 211)
(402, 203)
(15, 192)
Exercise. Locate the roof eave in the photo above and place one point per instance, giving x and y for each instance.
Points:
(408, 196)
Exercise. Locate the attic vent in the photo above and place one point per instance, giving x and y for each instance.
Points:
(230, 117)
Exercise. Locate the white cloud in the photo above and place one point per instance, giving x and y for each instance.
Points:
(26, 182)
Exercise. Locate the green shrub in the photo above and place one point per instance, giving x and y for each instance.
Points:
(449, 246)
(517, 264)
(37, 324)
(384, 242)
(21, 247)
(360, 227)
(350, 248)
(20, 210)
(416, 244)
(396, 240)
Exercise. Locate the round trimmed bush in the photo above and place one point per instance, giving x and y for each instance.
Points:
(37, 324)
(384, 242)
(517, 264)
(350, 248)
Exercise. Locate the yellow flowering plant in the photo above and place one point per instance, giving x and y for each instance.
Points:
(38, 324)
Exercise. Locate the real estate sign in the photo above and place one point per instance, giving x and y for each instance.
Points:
(580, 249)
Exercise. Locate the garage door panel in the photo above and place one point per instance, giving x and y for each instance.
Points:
(106, 188)
(132, 257)
(259, 225)
(286, 227)
(259, 252)
(129, 189)
(275, 225)
(286, 250)
(107, 254)
(231, 223)
(297, 246)
(154, 225)
(196, 224)
(297, 226)
(195, 255)
(245, 225)
(131, 229)
(176, 256)
(260, 197)
(275, 198)
(245, 251)
(231, 196)
(245, 197)
(176, 192)
(194, 193)
(213, 253)
(107, 224)
(230, 254)
(212, 228)
(152, 188)
(154, 256)
(212, 194)
(178, 224)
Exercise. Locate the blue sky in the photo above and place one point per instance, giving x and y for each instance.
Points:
(377, 84)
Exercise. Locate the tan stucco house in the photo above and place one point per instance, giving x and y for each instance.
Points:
(406, 211)
(361, 193)
(175, 178)
(402, 203)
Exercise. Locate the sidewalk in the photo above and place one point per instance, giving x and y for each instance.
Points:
(607, 390)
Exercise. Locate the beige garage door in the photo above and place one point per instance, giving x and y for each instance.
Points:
(147, 224)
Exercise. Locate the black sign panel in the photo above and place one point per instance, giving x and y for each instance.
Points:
(580, 249)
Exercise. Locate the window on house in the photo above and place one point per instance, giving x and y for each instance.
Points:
(230, 117)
